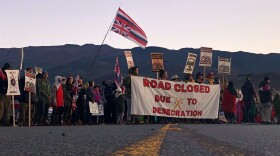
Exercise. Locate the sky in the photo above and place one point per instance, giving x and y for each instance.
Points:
(229, 25)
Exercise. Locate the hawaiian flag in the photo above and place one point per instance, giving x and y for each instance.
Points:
(125, 26)
(118, 76)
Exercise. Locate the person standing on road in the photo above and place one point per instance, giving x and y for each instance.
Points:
(265, 98)
(276, 104)
(44, 95)
(57, 101)
(229, 102)
(5, 100)
(133, 71)
(120, 105)
(67, 95)
(249, 93)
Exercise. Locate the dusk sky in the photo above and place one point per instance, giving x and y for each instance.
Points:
(230, 25)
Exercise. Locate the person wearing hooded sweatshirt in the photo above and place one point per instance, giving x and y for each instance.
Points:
(5, 100)
(266, 99)
(44, 95)
(57, 101)
(133, 71)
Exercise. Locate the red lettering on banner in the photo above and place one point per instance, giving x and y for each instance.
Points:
(207, 89)
(190, 88)
(194, 113)
(196, 88)
(168, 112)
(167, 86)
(201, 89)
(154, 110)
(160, 98)
(153, 84)
(177, 87)
(146, 82)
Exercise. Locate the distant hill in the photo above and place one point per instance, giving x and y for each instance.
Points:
(69, 60)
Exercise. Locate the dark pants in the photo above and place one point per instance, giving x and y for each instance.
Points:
(66, 114)
(24, 112)
(249, 116)
(42, 111)
(5, 106)
(56, 115)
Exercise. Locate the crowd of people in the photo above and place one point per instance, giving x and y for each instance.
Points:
(69, 99)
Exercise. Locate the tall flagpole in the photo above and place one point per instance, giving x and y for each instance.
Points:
(94, 59)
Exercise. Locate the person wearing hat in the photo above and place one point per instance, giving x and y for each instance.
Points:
(249, 93)
(265, 98)
(120, 105)
(210, 79)
(44, 95)
(175, 78)
(5, 100)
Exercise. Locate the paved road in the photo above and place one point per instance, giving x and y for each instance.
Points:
(181, 139)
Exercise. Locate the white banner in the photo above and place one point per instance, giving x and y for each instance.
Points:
(13, 87)
(96, 109)
(190, 63)
(224, 65)
(30, 82)
(174, 99)
(205, 57)
(129, 59)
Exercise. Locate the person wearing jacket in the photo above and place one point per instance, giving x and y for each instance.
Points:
(57, 101)
(24, 102)
(120, 105)
(67, 95)
(266, 99)
(229, 102)
(44, 95)
(276, 104)
(5, 100)
(133, 71)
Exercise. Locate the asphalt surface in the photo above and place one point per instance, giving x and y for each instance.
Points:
(181, 139)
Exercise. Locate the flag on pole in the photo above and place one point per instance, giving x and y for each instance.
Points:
(118, 76)
(126, 26)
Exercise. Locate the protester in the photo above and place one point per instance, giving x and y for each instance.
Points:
(67, 95)
(44, 95)
(229, 102)
(120, 103)
(90, 98)
(80, 103)
(189, 78)
(199, 78)
(5, 100)
(109, 101)
(57, 101)
(249, 93)
(24, 102)
(276, 104)
(210, 79)
(133, 71)
(163, 75)
(175, 78)
(265, 98)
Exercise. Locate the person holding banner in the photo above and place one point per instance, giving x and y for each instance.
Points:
(44, 95)
(24, 101)
(210, 79)
(127, 83)
(189, 78)
(5, 100)
(199, 78)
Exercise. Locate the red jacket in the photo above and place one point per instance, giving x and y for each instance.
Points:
(59, 97)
